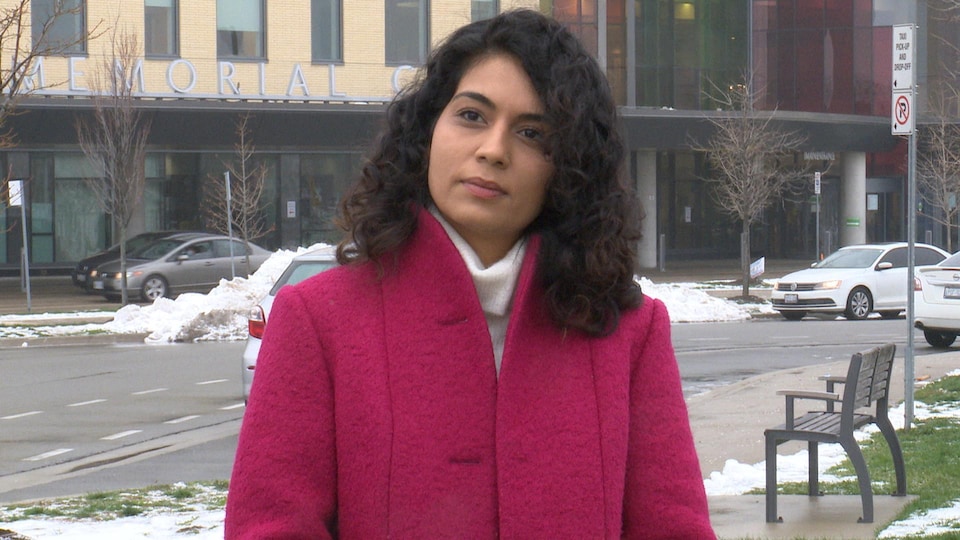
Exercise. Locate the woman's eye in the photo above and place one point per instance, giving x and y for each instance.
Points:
(470, 115)
(531, 133)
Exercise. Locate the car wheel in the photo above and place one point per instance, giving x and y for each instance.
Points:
(154, 287)
(793, 315)
(890, 314)
(939, 339)
(859, 304)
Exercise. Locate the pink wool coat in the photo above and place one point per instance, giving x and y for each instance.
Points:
(376, 412)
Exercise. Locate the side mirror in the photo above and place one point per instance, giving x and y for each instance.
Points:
(885, 266)
(182, 257)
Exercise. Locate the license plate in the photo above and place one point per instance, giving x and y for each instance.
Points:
(951, 292)
(790, 298)
(98, 285)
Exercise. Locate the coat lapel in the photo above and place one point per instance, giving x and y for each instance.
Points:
(526, 448)
(548, 436)
(443, 389)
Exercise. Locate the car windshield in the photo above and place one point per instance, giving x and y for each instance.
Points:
(953, 260)
(299, 271)
(850, 258)
(155, 250)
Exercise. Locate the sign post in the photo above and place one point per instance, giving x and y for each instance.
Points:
(15, 192)
(903, 122)
(816, 191)
(233, 268)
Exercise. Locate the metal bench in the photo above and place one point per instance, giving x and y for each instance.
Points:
(867, 384)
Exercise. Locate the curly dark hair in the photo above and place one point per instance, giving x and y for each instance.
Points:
(589, 223)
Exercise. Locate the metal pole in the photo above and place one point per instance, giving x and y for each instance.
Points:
(816, 189)
(663, 252)
(24, 251)
(818, 228)
(908, 366)
(233, 270)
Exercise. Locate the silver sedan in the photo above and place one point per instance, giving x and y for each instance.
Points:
(186, 262)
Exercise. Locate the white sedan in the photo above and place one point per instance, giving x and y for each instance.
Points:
(936, 296)
(300, 268)
(854, 281)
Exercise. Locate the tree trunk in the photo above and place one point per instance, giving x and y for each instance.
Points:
(124, 297)
(745, 259)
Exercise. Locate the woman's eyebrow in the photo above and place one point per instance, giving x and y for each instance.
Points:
(487, 102)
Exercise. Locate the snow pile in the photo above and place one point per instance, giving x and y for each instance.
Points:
(221, 314)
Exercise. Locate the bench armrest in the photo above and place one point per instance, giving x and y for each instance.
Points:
(832, 381)
(792, 395)
(806, 394)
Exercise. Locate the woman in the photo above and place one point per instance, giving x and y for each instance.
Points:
(482, 364)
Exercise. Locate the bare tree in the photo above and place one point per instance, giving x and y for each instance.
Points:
(114, 139)
(21, 54)
(245, 217)
(753, 163)
(938, 162)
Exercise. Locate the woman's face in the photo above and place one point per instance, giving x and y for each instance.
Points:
(488, 167)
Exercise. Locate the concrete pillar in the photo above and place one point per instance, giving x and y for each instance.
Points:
(853, 198)
(646, 167)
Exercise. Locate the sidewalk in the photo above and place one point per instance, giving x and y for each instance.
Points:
(48, 294)
(728, 423)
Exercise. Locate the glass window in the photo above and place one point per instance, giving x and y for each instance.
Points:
(897, 257)
(839, 79)
(197, 251)
(407, 31)
(80, 226)
(221, 248)
(580, 17)
(682, 47)
(923, 256)
(483, 9)
(323, 179)
(160, 28)
(58, 26)
(325, 31)
(240, 29)
(810, 70)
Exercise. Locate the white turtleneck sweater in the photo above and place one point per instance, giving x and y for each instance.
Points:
(495, 284)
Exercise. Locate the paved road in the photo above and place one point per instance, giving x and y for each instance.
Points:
(65, 411)
(87, 418)
(717, 354)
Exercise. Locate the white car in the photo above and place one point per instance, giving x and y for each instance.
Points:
(854, 281)
(300, 268)
(936, 296)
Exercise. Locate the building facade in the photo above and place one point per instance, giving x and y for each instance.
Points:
(315, 76)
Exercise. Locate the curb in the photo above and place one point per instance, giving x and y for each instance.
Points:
(66, 341)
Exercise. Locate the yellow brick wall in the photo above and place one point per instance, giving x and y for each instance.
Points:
(362, 73)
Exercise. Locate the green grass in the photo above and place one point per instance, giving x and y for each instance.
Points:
(116, 504)
(931, 450)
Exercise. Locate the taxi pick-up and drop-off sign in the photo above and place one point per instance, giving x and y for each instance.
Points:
(902, 117)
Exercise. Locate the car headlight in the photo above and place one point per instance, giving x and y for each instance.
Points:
(832, 284)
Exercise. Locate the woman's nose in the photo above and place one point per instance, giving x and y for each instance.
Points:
(495, 146)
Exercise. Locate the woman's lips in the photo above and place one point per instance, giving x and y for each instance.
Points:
(482, 188)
